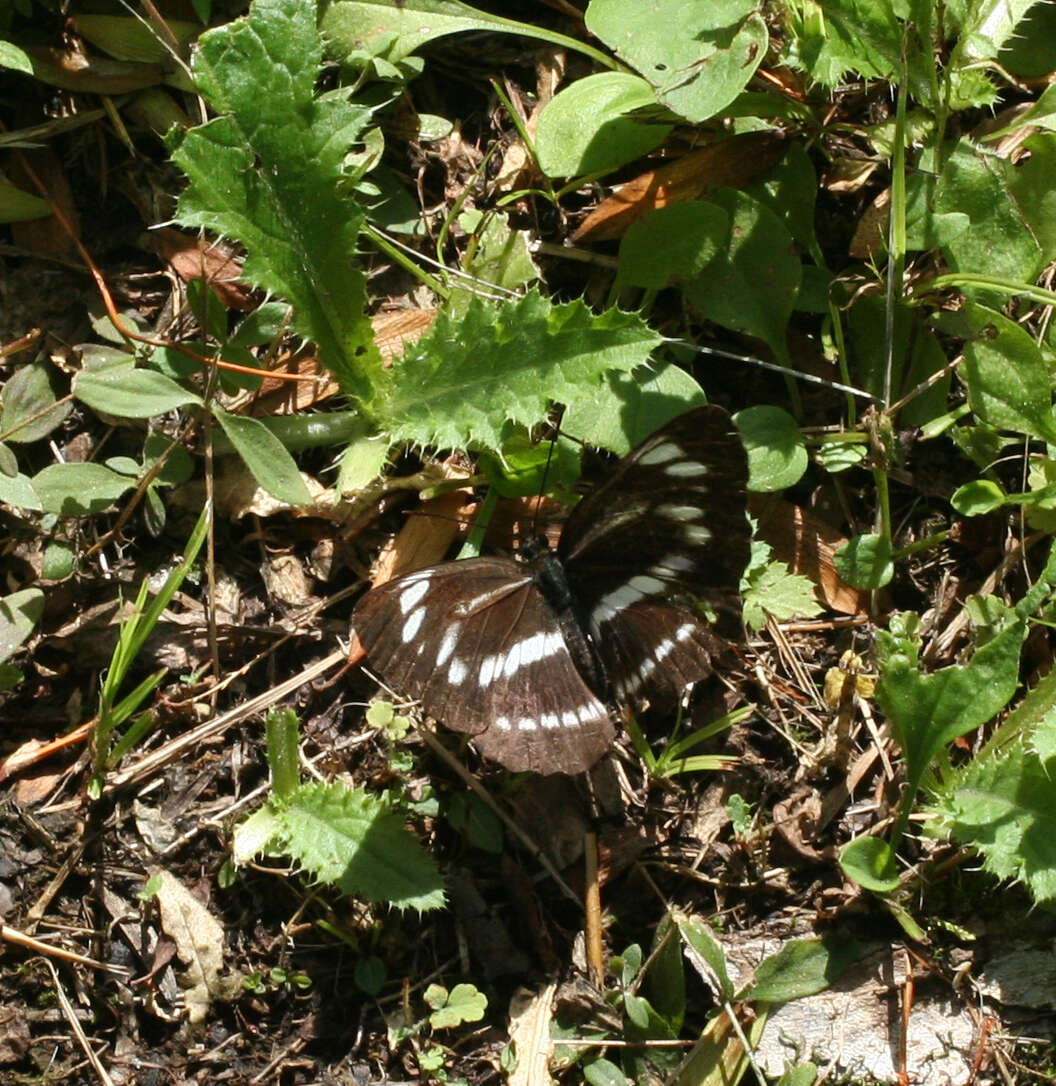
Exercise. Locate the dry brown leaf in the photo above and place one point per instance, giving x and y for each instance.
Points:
(194, 257)
(806, 544)
(530, 1016)
(735, 162)
(199, 939)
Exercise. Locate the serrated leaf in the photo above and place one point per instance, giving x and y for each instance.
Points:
(265, 456)
(351, 838)
(777, 591)
(269, 173)
(131, 394)
(464, 379)
(1004, 807)
(79, 490)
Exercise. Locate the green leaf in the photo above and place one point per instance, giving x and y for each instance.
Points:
(79, 490)
(269, 172)
(463, 1004)
(461, 381)
(1000, 243)
(604, 1072)
(17, 205)
(265, 456)
(349, 837)
(8, 462)
(19, 492)
(1031, 186)
(1008, 380)
(499, 254)
(777, 455)
(706, 955)
(928, 711)
(775, 590)
(870, 862)
(589, 127)
(665, 980)
(865, 561)
(698, 56)
(282, 729)
(1003, 805)
(20, 614)
(13, 57)
(131, 394)
(753, 283)
(978, 497)
(30, 410)
(674, 243)
(802, 968)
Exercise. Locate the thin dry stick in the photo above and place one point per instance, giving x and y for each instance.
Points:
(78, 1032)
(18, 938)
(595, 953)
(156, 760)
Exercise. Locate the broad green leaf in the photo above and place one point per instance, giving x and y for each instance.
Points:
(269, 172)
(706, 955)
(79, 490)
(803, 1074)
(17, 205)
(635, 404)
(1031, 184)
(18, 491)
(752, 284)
(460, 382)
(777, 455)
(20, 613)
(498, 254)
(837, 456)
(865, 561)
(870, 862)
(604, 1072)
(672, 244)
(350, 838)
(381, 28)
(464, 1003)
(59, 561)
(1000, 243)
(1008, 381)
(1003, 806)
(13, 57)
(698, 56)
(665, 980)
(265, 456)
(590, 127)
(928, 711)
(802, 968)
(978, 497)
(30, 409)
(8, 461)
(131, 394)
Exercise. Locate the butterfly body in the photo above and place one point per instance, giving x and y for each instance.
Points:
(527, 656)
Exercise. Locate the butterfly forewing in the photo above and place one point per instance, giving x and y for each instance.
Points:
(667, 529)
(478, 645)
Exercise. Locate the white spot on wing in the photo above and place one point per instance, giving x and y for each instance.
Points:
(526, 724)
(679, 512)
(550, 721)
(411, 597)
(660, 454)
(687, 469)
(412, 625)
(447, 646)
(456, 673)
(502, 723)
(696, 533)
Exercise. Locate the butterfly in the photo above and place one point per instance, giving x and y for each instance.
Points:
(528, 656)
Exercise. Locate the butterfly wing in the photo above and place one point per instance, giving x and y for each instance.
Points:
(665, 532)
(477, 644)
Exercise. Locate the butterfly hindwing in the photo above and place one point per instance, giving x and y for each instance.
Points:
(478, 645)
(667, 529)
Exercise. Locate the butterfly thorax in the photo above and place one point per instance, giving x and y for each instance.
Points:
(551, 580)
